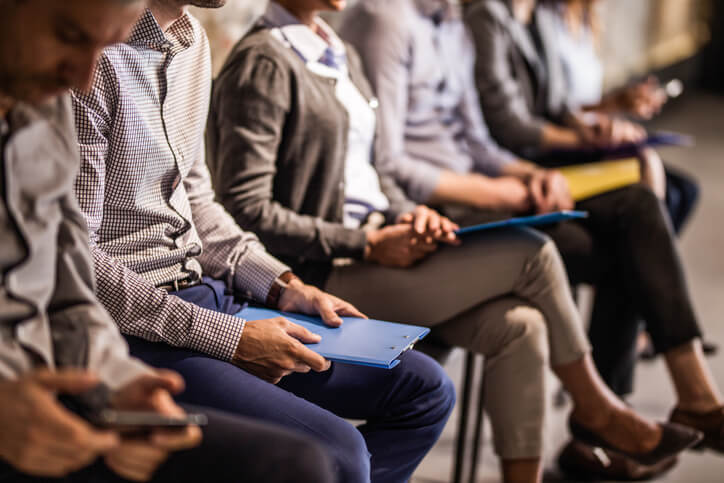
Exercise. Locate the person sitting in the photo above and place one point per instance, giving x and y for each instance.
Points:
(420, 58)
(173, 267)
(292, 138)
(535, 103)
(55, 337)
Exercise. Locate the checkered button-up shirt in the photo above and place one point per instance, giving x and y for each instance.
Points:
(146, 192)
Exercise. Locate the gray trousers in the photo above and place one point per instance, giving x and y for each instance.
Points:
(503, 294)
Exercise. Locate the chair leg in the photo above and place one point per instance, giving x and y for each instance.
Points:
(463, 418)
(478, 430)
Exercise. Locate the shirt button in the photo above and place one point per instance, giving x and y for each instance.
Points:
(374, 103)
(195, 250)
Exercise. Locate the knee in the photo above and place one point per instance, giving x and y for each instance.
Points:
(527, 334)
(432, 388)
(640, 200)
(349, 454)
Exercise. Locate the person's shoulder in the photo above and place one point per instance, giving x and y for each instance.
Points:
(397, 14)
(490, 10)
(261, 43)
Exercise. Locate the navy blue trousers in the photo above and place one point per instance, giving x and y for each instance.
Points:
(404, 409)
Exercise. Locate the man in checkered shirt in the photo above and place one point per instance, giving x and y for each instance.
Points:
(172, 266)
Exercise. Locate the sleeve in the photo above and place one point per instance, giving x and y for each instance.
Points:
(384, 47)
(488, 157)
(74, 297)
(250, 108)
(501, 99)
(138, 308)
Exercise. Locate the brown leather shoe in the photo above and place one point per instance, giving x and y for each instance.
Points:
(582, 462)
(711, 424)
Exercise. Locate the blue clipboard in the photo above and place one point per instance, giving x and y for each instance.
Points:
(546, 219)
(365, 342)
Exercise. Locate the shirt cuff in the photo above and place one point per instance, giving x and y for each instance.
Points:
(256, 272)
(121, 372)
(215, 333)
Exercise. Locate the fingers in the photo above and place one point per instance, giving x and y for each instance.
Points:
(136, 461)
(311, 358)
(162, 379)
(325, 308)
(421, 219)
(536, 193)
(189, 437)
(302, 334)
(346, 309)
(69, 381)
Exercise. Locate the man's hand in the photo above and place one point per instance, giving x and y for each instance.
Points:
(273, 348)
(549, 191)
(137, 459)
(38, 436)
(430, 225)
(397, 246)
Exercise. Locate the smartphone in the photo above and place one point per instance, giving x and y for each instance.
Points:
(144, 420)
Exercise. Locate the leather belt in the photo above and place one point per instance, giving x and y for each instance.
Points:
(177, 285)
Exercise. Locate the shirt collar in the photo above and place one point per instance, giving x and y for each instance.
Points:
(147, 32)
(307, 43)
(440, 10)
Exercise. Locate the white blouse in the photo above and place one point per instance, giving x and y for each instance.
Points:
(363, 194)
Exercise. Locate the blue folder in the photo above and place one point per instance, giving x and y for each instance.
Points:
(546, 219)
(658, 139)
(365, 342)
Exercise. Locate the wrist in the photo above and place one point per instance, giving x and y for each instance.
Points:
(372, 240)
(277, 290)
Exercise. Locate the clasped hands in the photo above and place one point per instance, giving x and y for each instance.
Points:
(274, 348)
(40, 437)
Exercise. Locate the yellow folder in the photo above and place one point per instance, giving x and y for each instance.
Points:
(591, 179)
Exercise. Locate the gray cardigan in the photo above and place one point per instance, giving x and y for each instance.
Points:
(519, 89)
(277, 140)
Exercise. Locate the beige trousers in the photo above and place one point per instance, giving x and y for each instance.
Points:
(503, 294)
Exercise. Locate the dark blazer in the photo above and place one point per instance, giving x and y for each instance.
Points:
(520, 85)
(277, 142)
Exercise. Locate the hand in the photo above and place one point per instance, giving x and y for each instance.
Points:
(430, 225)
(513, 194)
(39, 436)
(549, 191)
(273, 348)
(643, 100)
(137, 459)
(397, 246)
(601, 130)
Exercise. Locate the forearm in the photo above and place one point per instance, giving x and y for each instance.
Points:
(473, 190)
(559, 137)
(520, 169)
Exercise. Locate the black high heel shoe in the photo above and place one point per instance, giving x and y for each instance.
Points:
(675, 438)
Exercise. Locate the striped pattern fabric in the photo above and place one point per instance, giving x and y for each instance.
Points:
(146, 192)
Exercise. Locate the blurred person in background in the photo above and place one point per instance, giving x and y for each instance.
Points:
(420, 59)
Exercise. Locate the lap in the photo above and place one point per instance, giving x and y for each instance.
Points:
(445, 284)
(313, 403)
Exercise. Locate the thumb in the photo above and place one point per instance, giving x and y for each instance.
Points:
(69, 381)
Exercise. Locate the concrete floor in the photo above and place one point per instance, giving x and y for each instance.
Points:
(701, 115)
